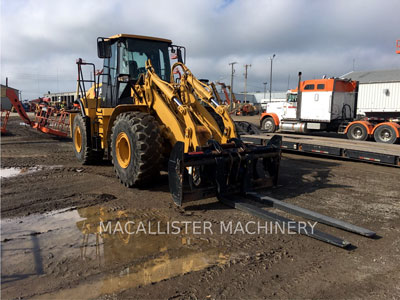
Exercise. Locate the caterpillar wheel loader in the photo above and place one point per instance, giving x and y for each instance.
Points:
(145, 115)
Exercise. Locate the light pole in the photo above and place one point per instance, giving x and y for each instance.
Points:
(265, 89)
(233, 71)
(270, 79)
(245, 82)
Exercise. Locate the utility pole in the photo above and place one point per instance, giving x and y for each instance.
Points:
(245, 82)
(270, 79)
(265, 89)
(232, 72)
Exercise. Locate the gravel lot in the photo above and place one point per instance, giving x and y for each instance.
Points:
(52, 247)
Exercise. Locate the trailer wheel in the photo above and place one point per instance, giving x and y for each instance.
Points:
(268, 125)
(385, 134)
(136, 147)
(80, 141)
(357, 132)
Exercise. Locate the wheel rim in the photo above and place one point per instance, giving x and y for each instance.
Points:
(123, 150)
(78, 139)
(357, 133)
(385, 135)
(268, 125)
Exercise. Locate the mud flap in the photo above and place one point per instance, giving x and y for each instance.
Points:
(228, 169)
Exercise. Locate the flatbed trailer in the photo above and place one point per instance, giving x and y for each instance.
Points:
(378, 153)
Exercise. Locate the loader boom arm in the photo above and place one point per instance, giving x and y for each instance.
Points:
(179, 107)
(205, 94)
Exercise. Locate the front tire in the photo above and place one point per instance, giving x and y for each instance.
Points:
(268, 125)
(80, 140)
(136, 148)
(357, 132)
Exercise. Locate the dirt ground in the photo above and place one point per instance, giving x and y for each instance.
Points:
(52, 248)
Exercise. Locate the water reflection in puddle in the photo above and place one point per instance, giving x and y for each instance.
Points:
(75, 240)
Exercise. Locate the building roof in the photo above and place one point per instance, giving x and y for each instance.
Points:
(3, 87)
(374, 76)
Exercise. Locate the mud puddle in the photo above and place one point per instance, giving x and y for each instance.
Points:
(75, 255)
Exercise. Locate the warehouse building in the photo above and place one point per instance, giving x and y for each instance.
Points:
(379, 91)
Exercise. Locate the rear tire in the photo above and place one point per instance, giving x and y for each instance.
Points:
(357, 132)
(136, 148)
(385, 134)
(268, 125)
(80, 142)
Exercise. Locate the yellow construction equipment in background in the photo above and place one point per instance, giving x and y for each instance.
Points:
(142, 112)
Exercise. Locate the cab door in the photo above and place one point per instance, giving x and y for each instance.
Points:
(109, 82)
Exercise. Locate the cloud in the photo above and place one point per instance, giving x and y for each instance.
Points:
(41, 39)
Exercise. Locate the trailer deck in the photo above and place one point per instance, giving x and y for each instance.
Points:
(385, 154)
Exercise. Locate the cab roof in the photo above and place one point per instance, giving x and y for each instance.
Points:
(141, 37)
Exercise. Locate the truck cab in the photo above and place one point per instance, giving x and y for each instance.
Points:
(321, 104)
(284, 109)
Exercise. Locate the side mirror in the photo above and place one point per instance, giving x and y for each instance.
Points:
(103, 48)
(179, 53)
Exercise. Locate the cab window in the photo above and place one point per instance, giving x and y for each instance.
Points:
(138, 52)
(292, 98)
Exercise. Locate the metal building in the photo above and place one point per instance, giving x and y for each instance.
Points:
(379, 91)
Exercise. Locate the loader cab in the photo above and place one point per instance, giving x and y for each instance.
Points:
(125, 58)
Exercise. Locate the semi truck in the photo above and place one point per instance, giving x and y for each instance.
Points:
(333, 105)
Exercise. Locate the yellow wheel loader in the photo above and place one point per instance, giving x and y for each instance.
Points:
(146, 116)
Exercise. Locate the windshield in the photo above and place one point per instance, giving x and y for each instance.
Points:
(135, 53)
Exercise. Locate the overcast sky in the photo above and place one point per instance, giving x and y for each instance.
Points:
(41, 39)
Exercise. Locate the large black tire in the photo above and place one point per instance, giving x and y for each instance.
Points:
(81, 141)
(385, 134)
(268, 125)
(136, 148)
(357, 132)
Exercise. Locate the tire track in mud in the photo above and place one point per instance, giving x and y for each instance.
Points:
(50, 189)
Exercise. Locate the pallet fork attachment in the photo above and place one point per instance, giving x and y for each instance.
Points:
(216, 170)
(243, 204)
